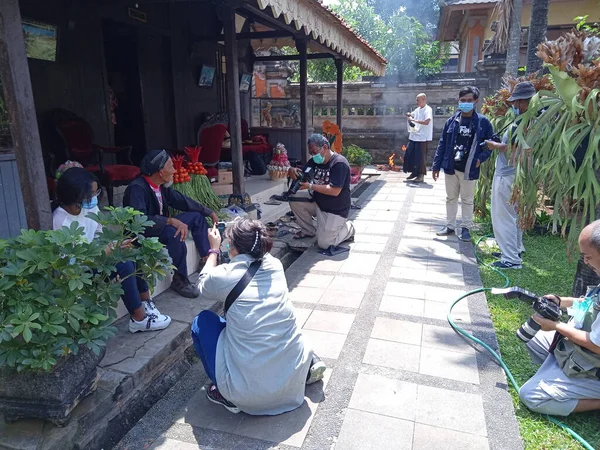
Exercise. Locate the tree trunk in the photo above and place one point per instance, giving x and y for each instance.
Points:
(514, 39)
(538, 25)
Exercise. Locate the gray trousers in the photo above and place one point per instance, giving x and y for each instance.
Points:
(330, 229)
(505, 220)
(550, 391)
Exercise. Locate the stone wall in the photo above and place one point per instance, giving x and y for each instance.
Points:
(373, 114)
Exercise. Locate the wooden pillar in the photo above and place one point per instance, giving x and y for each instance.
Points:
(339, 65)
(234, 110)
(18, 93)
(301, 47)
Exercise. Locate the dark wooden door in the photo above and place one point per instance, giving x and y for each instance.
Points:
(155, 65)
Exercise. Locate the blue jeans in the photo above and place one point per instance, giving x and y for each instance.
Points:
(198, 228)
(206, 329)
(132, 286)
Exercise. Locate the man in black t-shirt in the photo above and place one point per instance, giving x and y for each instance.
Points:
(460, 153)
(330, 189)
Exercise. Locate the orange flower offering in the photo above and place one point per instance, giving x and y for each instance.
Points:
(181, 175)
(194, 166)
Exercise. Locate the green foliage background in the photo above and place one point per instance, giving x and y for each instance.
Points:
(401, 31)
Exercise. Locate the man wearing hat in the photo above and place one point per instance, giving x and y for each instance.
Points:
(152, 194)
(505, 220)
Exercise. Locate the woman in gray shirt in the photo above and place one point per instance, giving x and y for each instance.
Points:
(257, 359)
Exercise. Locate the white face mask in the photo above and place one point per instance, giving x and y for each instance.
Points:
(168, 184)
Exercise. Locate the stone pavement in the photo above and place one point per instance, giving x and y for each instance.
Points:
(398, 377)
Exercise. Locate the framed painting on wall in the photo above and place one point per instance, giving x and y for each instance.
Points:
(40, 40)
(245, 82)
(207, 75)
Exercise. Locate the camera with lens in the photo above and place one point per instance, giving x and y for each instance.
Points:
(495, 137)
(306, 177)
(541, 305)
(459, 153)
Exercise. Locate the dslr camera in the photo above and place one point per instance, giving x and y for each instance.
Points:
(459, 153)
(495, 137)
(541, 305)
(306, 177)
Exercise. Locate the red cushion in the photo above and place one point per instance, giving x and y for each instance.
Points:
(77, 133)
(257, 148)
(259, 139)
(211, 140)
(117, 172)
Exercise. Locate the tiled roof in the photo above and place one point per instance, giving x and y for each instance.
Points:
(327, 28)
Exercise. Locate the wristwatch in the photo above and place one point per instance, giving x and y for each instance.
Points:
(310, 185)
(216, 252)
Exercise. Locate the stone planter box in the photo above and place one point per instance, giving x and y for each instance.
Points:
(49, 395)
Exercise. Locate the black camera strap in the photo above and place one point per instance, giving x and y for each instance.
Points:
(241, 285)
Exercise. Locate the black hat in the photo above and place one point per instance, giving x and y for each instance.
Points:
(154, 161)
(522, 91)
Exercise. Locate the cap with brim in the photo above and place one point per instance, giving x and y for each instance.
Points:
(154, 161)
(522, 91)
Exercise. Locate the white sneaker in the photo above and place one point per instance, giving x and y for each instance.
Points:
(152, 322)
(150, 307)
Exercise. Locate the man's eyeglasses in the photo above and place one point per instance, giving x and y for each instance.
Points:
(314, 150)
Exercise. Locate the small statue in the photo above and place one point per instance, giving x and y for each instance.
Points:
(294, 116)
(266, 114)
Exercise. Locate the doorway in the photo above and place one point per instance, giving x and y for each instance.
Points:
(123, 77)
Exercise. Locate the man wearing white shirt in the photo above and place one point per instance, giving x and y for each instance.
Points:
(420, 131)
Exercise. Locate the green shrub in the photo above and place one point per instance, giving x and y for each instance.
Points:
(56, 289)
(357, 155)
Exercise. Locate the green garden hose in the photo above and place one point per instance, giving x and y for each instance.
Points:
(496, 356)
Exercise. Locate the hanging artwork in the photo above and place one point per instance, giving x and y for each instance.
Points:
(207, 75)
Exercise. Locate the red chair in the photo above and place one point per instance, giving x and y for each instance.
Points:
(259, 145)
(78, 139)
(211, 140)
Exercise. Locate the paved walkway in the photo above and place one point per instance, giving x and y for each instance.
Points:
(399, 377)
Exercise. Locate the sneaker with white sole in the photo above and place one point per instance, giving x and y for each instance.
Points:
(213, 394)
(152, 322)
(150, 307)
(506, 265)
(316, 371)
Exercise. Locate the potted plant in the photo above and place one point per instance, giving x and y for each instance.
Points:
(57, 303)
(358, 159)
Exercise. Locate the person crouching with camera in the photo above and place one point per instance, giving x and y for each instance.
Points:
(569, 378)
(327, 197)
(460, 151)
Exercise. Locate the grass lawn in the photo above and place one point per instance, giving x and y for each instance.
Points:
(546, 269)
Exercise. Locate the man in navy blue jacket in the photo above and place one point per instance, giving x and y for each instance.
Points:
(460, 153)
(152, 194)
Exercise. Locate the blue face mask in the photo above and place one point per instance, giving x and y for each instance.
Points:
(318, 158)
(516, 110)
(89, 204)
(466, 107)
